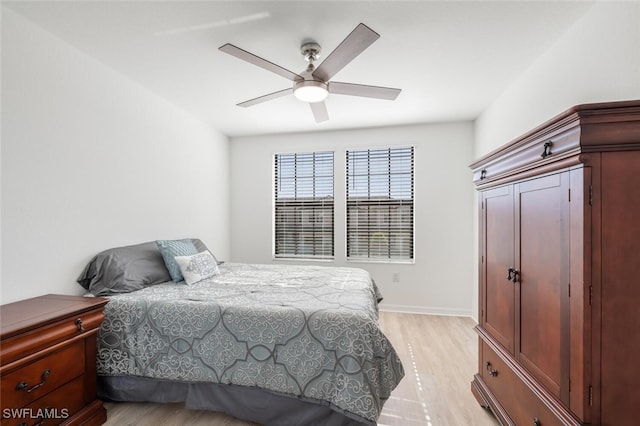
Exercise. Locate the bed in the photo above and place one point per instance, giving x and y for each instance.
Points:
(273, 344)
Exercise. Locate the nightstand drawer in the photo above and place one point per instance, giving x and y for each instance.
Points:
(17, 347)
(33, 380)
(52, 409)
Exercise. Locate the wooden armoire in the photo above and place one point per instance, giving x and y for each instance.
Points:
(559, 271)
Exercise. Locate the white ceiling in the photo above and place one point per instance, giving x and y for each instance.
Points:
(451, 59)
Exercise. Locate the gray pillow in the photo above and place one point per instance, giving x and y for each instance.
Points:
(201, 247)
(124, 269)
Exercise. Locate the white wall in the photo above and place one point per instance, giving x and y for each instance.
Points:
(91, 160)
(440, 280)
(597, 60)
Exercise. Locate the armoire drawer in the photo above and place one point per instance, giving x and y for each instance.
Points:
(516, 398)
(33, 380)
(530, 153)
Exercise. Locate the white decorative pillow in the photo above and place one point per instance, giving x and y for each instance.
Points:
(197, 267)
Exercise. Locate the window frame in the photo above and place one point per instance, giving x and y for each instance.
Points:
(314, 204)
(410, 258)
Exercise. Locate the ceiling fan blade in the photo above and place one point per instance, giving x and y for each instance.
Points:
(265, 98)
(355, 43)
(320, 112)
(258, 61)
(363, 90)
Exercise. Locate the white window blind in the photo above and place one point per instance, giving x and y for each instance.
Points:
(304, 205)
(380, 204)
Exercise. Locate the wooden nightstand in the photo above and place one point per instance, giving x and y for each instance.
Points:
(48, 361)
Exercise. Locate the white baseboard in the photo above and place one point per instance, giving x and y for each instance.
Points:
(409, 309)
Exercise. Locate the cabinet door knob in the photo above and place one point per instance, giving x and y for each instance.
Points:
(536, 422)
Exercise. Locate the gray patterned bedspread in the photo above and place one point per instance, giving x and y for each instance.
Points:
(298, 330)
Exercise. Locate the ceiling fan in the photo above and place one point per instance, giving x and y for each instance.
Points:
(313, 85)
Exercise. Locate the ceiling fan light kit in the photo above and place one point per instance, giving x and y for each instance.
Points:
(310, 91)
(313, 85)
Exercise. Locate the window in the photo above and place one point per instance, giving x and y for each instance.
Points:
(304, 205)
(380, 204)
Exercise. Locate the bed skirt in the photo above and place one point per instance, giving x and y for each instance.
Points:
(247, 403)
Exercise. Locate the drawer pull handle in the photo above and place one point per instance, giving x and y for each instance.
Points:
(547, 149)
(483, 174)
(79, 325)
(492, 371)
(536, 422)
(23, 385)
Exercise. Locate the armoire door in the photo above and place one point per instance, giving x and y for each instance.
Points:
(619, 290)
(498, 294)
(542, 259)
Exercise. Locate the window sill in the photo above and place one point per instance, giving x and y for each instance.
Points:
(382, 261)
(302, 259)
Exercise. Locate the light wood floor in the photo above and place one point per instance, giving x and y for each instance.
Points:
(439, 354)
